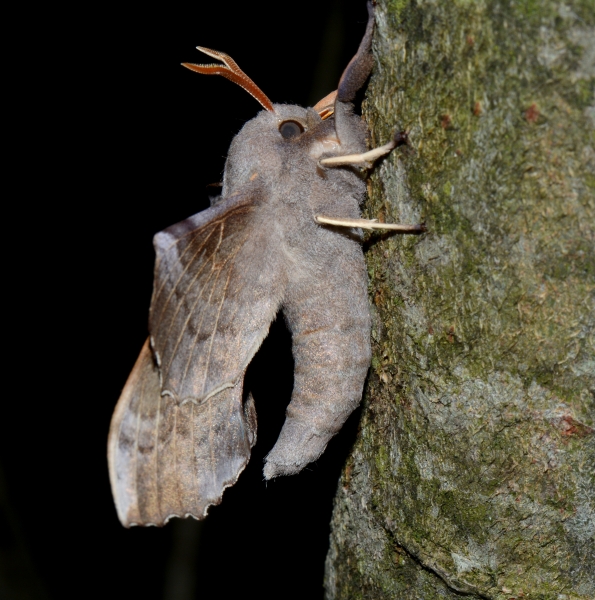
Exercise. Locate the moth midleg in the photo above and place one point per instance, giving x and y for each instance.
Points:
(368, 224)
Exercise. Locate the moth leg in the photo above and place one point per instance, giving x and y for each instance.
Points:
(353, 78)
(357, 71)
(369, 224)
(365, 159)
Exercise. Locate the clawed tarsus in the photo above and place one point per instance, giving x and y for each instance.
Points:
(366, 159)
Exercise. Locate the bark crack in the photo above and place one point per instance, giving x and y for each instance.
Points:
(460, 588)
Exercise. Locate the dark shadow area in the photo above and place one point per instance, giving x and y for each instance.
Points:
(140, 138)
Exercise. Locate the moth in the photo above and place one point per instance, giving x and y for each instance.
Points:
(285, 235)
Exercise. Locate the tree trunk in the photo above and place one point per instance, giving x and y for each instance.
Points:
(473, 471)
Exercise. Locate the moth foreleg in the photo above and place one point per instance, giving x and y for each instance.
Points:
(365, 159)
(369, 224)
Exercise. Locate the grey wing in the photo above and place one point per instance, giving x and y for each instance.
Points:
(180, 433)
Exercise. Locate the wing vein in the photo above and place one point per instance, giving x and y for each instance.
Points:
(195, 458)
(211, 449)
(214, 329)
(200, 313)
(191, 284)
(189, 316)
(208, 359)
(157, 488)
(190, 312)
(175, 286)
(138, 420)
(203, 289)
(175, 450)
(183, 295)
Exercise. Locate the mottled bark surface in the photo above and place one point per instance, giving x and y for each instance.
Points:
(473, 471)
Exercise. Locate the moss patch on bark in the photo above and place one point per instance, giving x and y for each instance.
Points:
(474, 469)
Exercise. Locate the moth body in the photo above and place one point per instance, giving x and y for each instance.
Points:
(181, 432)
(322, 280)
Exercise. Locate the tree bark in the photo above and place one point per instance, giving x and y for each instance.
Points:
(473, 472)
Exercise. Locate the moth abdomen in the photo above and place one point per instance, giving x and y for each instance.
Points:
(329, 319)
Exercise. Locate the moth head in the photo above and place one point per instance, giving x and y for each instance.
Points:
(270, 142)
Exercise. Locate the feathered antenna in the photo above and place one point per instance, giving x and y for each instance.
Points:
(231, 71)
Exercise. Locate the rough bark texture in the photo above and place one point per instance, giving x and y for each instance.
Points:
(473, 471)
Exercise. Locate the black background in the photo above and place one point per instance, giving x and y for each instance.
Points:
(120, 143)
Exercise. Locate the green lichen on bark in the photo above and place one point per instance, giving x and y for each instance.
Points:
(474, 469)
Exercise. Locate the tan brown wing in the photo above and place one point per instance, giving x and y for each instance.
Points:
(180, 433)
(168, 459)
(218, 284)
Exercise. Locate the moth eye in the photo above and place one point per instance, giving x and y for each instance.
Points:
(290, 129)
